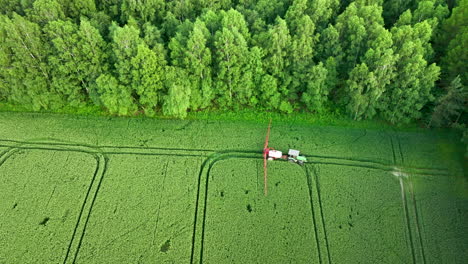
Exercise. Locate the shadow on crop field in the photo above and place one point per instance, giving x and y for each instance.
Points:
(100, 154)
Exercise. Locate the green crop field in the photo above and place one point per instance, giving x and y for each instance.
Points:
(136, 190)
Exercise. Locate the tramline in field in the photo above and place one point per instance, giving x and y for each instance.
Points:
(272, 154)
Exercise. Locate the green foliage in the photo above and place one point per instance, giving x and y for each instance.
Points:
(80, 8)
(455, 54)
(45, 11)
(301, 56)
(65, 60)
(323, 11)
(197, 62)
(294, 14)
(411, 88)
(26, 70)
(277, 47)
(451, 105)
(142, 10)
(358, 26)
(233, 81)
(368, 58)
(316, 94)
(177, 100)
(148, 71)
(115, 97)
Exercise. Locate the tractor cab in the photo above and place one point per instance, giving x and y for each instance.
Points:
(293, 156)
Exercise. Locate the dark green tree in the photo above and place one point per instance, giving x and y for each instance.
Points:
(323, 11)
(455, 54)
(295, 14)
(75, 9)
(411, 88)
(450, 106)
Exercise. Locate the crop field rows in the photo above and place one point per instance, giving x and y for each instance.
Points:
(315, 221)
(192, 192)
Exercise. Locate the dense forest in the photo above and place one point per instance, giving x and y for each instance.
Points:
(397, 60)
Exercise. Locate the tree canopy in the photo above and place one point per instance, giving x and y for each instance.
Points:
(400, 61)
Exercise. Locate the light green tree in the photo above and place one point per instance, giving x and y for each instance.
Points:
(177, 100)
(266, 93)
(142, 10)
(115, 97)
(44, 11)
(148, 72)
(93, 61)
(233, 80)
(276, 63)
(301, 56)
(64, 60)
(362, 95)
(27, 71)
(316, 94)
(357, 26)
(197, 63)
(323, 11)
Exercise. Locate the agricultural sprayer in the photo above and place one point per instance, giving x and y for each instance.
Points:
(270, 154)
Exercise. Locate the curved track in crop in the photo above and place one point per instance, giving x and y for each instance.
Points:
(92, 190)
(100, 154)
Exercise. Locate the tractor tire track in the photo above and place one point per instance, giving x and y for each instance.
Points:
(403, 200)
(67, 143)
(415, 207)
(317, 187)
(216, 160)
(374, 163)
(210, 161)
(206, 166)
(98, 166)
(407, 218)
(314, 221)
(393, 150)
(90, 209)
(418, 225)
(99, 157)
(195, 218)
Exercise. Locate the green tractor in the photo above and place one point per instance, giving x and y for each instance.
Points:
(293, 156)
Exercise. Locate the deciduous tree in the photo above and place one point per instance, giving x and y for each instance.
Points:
(177, 100)
(411, 88)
